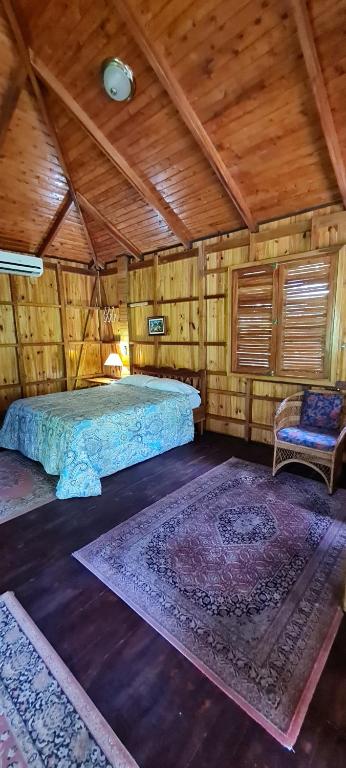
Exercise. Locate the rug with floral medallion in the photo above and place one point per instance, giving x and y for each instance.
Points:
(243, 573)
(46, 718)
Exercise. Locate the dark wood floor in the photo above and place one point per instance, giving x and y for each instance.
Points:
(166, 712)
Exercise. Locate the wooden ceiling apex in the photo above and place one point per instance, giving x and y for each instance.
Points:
(128, 246)
(155, 56)
(309, 50)
(143, 186)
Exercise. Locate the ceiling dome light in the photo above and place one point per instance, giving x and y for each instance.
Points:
(118, 80)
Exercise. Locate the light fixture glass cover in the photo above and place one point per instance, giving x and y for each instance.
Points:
(118, 80)
(114, 360)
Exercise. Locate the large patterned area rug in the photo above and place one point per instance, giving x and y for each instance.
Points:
(243, 574)
(24, 485)
(46, 719)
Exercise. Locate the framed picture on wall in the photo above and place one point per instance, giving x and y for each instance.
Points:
(156, 326)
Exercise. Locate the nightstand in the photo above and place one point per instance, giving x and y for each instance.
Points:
(101, 379)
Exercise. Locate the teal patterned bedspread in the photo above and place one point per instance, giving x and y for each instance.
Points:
(90, 433)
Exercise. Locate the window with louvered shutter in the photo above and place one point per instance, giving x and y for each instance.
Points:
(282, 317)
(253, 328)
(304, 317)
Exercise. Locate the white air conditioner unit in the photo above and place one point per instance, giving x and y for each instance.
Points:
(20, 264)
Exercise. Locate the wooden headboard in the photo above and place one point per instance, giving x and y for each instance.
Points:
(197, 379)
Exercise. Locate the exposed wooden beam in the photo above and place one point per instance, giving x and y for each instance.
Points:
(64, 165)
(143, 186)
(309, 50)
(10, 100)
(56, 224)
(125, 243)
(25, 57)
(153, 51)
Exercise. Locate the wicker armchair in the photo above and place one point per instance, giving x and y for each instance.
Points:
(325, 456)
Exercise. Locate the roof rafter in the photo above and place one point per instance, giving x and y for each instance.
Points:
(143, 187)
(56, 224)
(10, 100)
(312, 63)
(25, 57)
(63, 163)
(155, 56)
(128, 246)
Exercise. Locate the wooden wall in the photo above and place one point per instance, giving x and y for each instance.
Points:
(192, 290)
(52, 333)
(52, 336)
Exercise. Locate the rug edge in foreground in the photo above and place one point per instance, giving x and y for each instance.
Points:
(101, 731)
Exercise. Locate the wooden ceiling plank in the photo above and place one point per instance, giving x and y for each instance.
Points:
(312, 63)
(153, 53)
(56, 224)
(112, 229)
(143, 186)
(25, 57)
(10, 101)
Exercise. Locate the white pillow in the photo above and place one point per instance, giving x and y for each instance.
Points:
(136, 379)
(173, 385)
(195, 399)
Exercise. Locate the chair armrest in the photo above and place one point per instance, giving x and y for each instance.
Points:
(288, 412)
(340, 438)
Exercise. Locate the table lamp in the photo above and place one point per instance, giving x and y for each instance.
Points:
(114, 361)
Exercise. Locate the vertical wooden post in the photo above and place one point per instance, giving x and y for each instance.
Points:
(63, 321)
(99, 315)
(129, 328)
(202, 336)
(155, 306)
(248, 409)
(85, 329)
(202, 328)
(314, 243)
(19, 348)
(252, 247)
(228, 322)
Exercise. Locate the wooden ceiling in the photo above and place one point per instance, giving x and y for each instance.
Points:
(239, 117)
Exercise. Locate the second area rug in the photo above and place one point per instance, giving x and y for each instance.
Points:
(243, 573)
(24, 485)
(46, 719)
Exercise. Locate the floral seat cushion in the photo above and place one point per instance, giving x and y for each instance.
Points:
(311, 438)
(322, 411)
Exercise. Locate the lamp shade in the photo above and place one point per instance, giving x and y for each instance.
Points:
(114, 360)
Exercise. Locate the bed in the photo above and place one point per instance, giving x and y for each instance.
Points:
(196, 379)
(87, 434)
